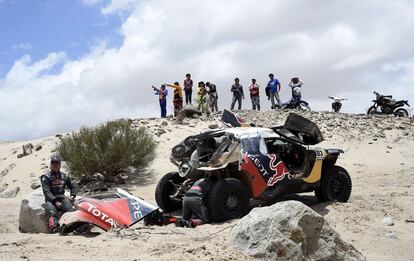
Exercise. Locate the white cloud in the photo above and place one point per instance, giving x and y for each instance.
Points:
(91, 2)
(338, 48)
(21, 46)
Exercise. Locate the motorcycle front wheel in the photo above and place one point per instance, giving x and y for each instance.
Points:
(401, 113)
(372, 110)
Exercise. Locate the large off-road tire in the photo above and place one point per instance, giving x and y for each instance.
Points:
(401, 112)
(319, 195)
(336, 185)
(228, 199)
(372, 110)
(166, 187)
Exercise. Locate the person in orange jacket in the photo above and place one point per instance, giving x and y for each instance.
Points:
(177, 98)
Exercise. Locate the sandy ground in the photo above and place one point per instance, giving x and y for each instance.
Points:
(382, 172)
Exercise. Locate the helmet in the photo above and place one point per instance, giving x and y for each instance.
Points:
(297, 91)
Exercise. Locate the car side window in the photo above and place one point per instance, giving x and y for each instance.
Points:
(276, 146)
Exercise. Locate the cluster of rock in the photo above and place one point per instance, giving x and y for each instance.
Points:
(96, 183)
(5, 190)
(346, 126)
(28, 149)
(290, 230)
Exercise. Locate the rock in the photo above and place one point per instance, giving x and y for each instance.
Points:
(160, 132)
(192, 125)
(388, 221)
(124, 176)
(9, 192)
(32, 217)
(291, 231)
(35, 184)
(188, 111)
(27, 149)
(119, 180)
(164, 123)
(38, 147)
(98, 176)
(21, 155)
(392, 235)
(97, 186)
(213, 126)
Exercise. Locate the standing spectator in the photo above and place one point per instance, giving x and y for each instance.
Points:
(296, 86)
(188, 88)
(162, 92)
(254, 94)
(202, 98)
(238, 95)
(274, 88)
(212, 97)
(178, 97)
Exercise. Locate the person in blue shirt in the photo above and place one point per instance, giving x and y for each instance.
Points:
(273, 88)
(162, 93)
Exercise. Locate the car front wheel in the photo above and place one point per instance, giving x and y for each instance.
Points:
(228, 199)
(166, 187)
(336, 185)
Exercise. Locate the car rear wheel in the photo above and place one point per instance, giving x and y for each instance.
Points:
(336, 185)
(166, 187)
(228, 199)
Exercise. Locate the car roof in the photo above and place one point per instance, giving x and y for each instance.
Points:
(245, 132)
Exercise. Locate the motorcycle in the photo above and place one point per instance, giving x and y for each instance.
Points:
(296, 102)
(385, 104)
(337, 103)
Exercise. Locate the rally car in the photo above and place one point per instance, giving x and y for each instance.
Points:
(250, 162)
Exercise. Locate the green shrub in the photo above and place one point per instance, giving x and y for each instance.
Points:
(108, 149)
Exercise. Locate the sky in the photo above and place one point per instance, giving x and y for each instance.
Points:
(66, 64)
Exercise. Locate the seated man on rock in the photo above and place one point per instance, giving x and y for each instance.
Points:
(53, 184)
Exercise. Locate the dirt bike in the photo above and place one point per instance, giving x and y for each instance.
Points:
(337, 103)
(385, 104)
(296, 103)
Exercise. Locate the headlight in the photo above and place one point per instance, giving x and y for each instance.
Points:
(184, 169)
(178, 152)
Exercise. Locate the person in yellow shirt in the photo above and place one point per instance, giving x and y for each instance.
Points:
(202, 98)
(177, 98)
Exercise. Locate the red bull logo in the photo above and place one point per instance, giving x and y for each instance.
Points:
(279, 169)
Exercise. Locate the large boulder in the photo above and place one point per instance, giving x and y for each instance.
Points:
(290, 231)
(33, 217)
(188, 111)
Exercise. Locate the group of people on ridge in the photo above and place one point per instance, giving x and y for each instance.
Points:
(207, 96)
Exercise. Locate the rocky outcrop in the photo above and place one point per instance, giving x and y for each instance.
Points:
(188, 111)
(32, 217)
(290, 231)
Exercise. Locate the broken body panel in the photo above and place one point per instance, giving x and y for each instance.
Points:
(120, 212)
